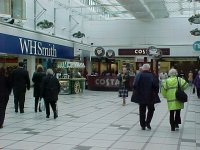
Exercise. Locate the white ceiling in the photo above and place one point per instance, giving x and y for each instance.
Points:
(151, 9)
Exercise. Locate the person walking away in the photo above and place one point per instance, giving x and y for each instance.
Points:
(50, 89)
(190, 78)
(20, 82)
(197, 84)
(194, 76)
(5, 90)
(123, 85)
(37, 80)
(145, 93)
(168, 90)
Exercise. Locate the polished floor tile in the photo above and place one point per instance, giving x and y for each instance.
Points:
(96, 120)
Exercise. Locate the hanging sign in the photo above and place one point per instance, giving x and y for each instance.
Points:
(196, 46)
(99, 51)
(110, 53)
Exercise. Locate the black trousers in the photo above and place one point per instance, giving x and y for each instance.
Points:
(3, 104)
(198, 92)
(146, 118)
(53, 106)
(175, 117)
(19, 99)
(36, 103)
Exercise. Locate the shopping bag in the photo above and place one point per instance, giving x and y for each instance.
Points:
(42, 104)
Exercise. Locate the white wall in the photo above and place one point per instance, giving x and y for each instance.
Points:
(166, 33)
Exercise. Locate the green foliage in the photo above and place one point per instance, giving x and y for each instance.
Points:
(78, 35)
(45, 24)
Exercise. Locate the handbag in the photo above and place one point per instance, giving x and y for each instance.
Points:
(42, 104)
(180, 94)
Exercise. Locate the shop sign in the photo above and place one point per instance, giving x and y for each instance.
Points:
(196, 46)
(19, 45)
(141, 51)
(110, 53)
(66, 64)
(99, 51)
(107, 82)
(75, 65)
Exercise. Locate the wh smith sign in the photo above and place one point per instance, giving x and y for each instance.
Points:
(23, 46)
(196, 46)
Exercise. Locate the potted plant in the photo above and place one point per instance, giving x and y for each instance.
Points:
(78, 35)
(195, 32)
(194, 19)
(45, 24)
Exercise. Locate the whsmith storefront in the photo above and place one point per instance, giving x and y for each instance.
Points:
(31, 48)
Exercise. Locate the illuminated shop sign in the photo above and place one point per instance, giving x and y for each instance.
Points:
(141, 51)
(19, 45)
(107, 82)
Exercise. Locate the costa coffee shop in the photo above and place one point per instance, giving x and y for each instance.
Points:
(31, 48)
(132, 59)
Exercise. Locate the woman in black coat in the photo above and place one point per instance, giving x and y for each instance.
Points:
(37, 80)
(5, 90)
(49, 91)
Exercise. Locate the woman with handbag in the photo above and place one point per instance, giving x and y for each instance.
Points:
(168, 90)
(49, 91)
(37, 80)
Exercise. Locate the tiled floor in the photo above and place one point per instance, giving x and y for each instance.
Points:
(97, 121)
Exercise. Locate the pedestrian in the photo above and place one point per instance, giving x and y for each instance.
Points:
(194, 76)
(197, 84)
(168, 90)
(37, 80)
(20, 82)
(123, 78)
(50, 89)
(5, 90)
(145, 93)
(190, 78)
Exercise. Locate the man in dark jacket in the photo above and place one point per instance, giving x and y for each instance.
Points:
(146, 88)
(5, 90)
(50, 89)
(20, 82)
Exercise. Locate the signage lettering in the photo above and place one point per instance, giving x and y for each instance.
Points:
(32, 47)
(107, 82)
(141, 51)
(10, 44)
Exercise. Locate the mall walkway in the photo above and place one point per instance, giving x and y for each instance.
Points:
(97, 121)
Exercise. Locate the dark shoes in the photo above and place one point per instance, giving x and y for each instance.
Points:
(172, 128)
(47, 116)
(148, 126)
(177, 126)
(55, 115)
(1, 126)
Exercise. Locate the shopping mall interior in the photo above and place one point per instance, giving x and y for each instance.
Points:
(87, 43)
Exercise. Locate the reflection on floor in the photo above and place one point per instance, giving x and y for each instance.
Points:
(97, 121)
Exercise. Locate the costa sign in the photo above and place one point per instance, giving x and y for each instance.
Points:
(141, 51)
(107, 82)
